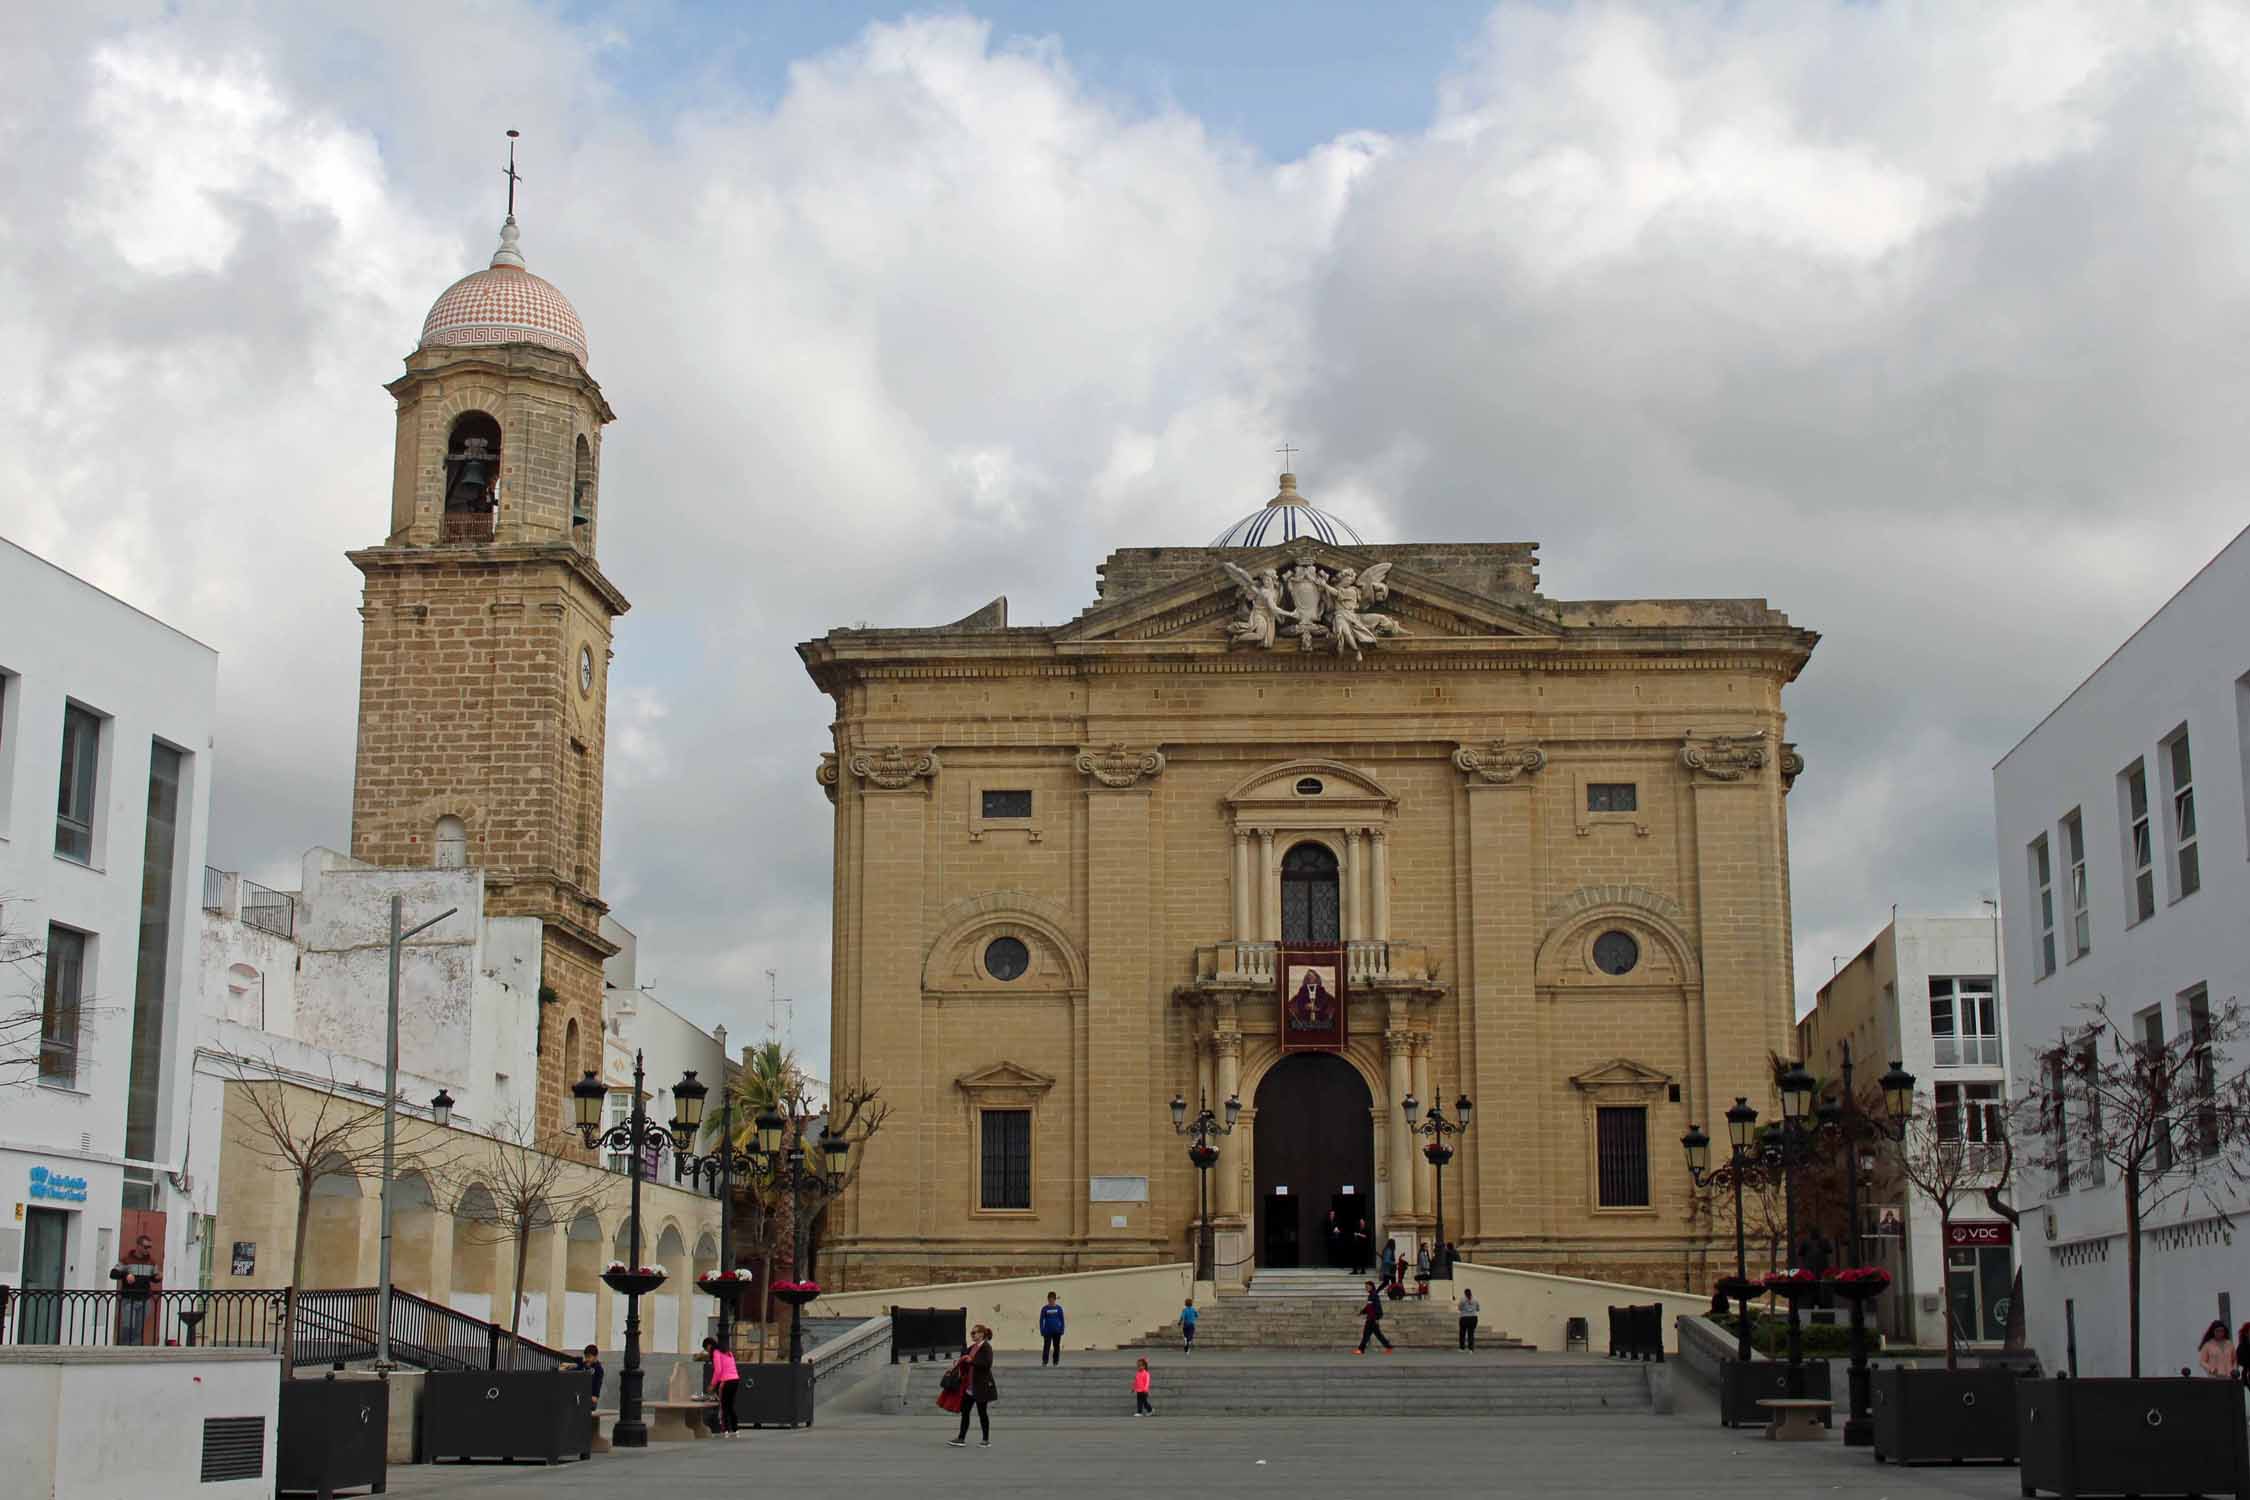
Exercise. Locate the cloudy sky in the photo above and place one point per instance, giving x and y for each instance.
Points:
(1925, 322)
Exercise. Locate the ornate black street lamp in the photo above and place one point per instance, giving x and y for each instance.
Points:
(1790, 1152)
(1742, 1135)
(715, 1172)
(638, 1137)
(1898, 1108)
(1436, 1127)
(1202, 1130)
(783, 1163)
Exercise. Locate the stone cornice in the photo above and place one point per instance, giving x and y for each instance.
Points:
(405, 559)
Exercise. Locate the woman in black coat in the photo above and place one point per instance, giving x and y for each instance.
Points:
(978, 1389)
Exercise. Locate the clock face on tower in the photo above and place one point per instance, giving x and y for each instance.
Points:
(586, 670)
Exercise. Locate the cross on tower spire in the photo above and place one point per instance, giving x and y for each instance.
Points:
(514, 176)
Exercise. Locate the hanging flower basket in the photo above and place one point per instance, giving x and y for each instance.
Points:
(729, 1287)
(1203, 1156)
(796, 1293)
(1860, 1284)
(1794, 1286)
(633, 1281)
(1737, 1289)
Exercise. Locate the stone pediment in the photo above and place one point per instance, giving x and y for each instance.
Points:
(1209, 608)
(1004, 1081)
(1622, 1078)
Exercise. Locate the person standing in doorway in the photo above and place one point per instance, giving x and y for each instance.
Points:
(1359, 1249)
(136, 1277)
(1050, 1330)
(726, 1379)
(1188, 1317)
(1141, 1408)
(1337, 1249)
(1470, 1311)
(1371, 1321)
(978, 1389)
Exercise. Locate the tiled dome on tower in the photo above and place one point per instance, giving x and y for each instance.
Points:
(1284, 518)
(504, 304)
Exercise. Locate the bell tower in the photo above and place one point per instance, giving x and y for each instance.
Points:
(485, 636)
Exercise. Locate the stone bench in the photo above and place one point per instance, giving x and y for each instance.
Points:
(676, 1421)
(1799, 1420)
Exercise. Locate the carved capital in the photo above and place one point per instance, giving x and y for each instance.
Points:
(1725, 757)
(1792, 765)
(1496, 763)
(829, 773)
(1120, 766)
(1226, 1044)
(892, 767)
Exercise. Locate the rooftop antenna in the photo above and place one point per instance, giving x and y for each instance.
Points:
(514, 176)
(776, 1030)
(1284, 450)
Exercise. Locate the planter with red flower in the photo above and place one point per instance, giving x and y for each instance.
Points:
(729, 1287)
(1793, 1286)
(1737, 1288)
(1203, 1155)
(633, 1281)
(796, 1293)
(1860, 1283)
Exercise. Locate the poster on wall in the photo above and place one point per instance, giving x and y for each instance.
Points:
(1312, 999)
(245, 1257)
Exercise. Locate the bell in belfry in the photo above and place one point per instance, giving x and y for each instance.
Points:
(470, 474)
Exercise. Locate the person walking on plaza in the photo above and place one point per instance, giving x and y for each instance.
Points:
(1388, 1266)
(977, 1388)
(2217, 1352)
(1050, 1330)
(726, 1379)
(1141, 1408)
(1188, 1317)
(1470, 1310)
(1371, 1321)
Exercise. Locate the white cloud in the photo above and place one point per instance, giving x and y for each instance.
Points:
(1914, 319)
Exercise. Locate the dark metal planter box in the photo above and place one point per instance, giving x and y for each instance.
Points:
(507, 1414)
(2179, 1436)
(775, 1396)
(1743, 1386)
(331, 1435)
(1944, 1416)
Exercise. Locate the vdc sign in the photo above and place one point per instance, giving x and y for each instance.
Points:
(57, 1187)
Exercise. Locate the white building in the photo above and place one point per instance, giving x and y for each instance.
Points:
(1924, 993)
(2123, 839)
(669, 1044)
(105, 747)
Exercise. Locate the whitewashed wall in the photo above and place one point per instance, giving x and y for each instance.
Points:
(127, 1424)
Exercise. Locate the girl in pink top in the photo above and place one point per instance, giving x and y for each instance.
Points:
(1141, 1408)
(725, 1379)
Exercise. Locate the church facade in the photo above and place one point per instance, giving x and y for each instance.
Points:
(1318, 826)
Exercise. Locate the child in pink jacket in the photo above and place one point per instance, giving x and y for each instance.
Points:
(1141, 1408)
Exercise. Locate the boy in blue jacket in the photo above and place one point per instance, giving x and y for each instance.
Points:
(1051, 1330)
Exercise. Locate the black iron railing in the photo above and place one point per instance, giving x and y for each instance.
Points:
(332, 1326)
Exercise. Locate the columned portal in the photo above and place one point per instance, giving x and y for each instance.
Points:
(1314, 1154)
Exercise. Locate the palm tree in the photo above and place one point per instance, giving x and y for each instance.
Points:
(769, 1075)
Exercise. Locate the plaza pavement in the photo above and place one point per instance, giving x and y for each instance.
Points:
(1684, 1456)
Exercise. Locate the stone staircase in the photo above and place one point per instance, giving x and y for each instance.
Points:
(1318, 1309)
(1314, 1385)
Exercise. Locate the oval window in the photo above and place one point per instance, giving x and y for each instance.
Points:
(1616, 953)
(1309, 787)
(1006, 958)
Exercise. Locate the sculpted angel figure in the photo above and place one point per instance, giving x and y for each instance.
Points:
(1261, 603)
(1354, 626)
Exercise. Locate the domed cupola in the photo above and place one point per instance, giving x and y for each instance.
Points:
(504, 304)
(1284, 518)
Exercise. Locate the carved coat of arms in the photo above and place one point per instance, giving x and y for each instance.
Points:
(1311, 605)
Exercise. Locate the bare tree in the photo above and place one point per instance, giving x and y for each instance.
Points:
(2170, 1117)
(525, 1190)
(1938, 1161)
(36, 1029)
(1996, 1198)
(307, 1132)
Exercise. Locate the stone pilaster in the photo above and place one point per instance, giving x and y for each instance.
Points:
(1499, 1194)
(1123, 1004)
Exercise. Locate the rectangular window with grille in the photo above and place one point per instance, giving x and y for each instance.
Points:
(2081, 910)
(1007, 804)
(1006, 1180)
(1621, 1156)
(1613, 796)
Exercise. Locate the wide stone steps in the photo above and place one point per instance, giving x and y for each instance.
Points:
(1275, 1321)
(1373, 1386)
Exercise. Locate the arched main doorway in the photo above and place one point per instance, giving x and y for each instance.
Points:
(1315, 1155)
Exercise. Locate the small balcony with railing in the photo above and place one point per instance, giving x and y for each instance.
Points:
(1368, 961)
(1966, 1051)
(254, 905)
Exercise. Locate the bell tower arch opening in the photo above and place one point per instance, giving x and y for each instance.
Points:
(1314, 1155)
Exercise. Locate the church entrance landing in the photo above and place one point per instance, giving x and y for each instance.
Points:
(1315, 1156)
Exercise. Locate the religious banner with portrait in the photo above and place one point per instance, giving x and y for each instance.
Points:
(1312, 999)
